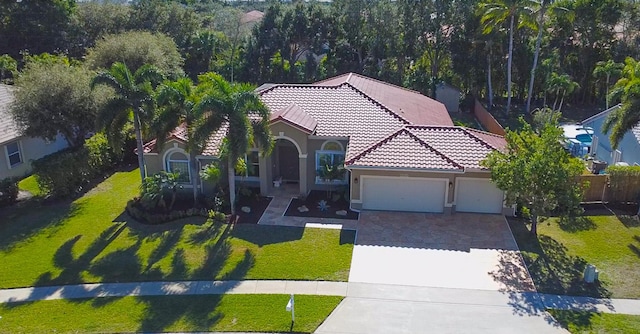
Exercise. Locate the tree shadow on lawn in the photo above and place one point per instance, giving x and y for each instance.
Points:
(576, 224)
(552, 269)
(19, 223)
(635, 249)
(262, 235)
(581, 320)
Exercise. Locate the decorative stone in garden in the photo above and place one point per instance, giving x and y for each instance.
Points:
(341, 212)
(303, 209)
(246, 209)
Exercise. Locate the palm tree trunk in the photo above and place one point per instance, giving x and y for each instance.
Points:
(561, 101)
(194, 175)
(535, 60)
(232, 185)
(534, 225)
(606, 97)
(139, 145)
(556, 99)
(509, 61)
(489, 85)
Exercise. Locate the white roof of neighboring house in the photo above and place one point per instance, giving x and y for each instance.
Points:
(8, 129)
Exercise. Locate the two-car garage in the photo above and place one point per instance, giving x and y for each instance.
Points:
(416, 194)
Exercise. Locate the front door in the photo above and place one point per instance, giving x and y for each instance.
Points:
(288, 163)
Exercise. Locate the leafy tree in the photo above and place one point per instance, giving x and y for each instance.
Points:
(627, 91)
(495, 13)
(607, 69)
(232, 104)
(178, 101)
(537, 173)
(133, 97)
(36, 26)
(155, 189)
(167, 17)
(8, 68)
(54, 98)
(135, 49)
(96, 19)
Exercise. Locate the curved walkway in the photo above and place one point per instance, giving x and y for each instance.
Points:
(517, 300)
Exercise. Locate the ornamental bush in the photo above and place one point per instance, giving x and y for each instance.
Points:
(8, 191)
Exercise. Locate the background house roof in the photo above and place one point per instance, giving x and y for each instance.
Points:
(635, 130)
(8, 128)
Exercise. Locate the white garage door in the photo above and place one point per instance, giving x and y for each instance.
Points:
(403, 194)
(478, 195)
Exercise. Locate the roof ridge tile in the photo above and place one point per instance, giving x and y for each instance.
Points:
(387, 109)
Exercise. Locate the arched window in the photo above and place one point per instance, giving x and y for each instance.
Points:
(332, 145)
(330, 154)
(177, 161)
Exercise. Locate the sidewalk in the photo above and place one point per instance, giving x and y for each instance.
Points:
(524, 301)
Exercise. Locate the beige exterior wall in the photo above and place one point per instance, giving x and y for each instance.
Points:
(30, 149)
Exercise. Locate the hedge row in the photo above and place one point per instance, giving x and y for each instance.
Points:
(136, 210)
(68, 172)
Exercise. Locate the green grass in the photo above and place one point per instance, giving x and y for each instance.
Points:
(29, 184)
(92, 240)
(589, 322)
(265, 313)
(557, 259)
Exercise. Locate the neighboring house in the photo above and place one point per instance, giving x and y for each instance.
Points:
(449, 96)
(17, 151)
(628, 150)
(400, 148)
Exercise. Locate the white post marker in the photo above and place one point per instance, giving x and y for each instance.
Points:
(291, 308)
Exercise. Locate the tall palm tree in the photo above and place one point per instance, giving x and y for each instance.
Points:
(542, 10)
(627, 91)
(561, 83)
(495, 13)
(177, 102)
(132, 101)
(237, 106)
(607, 69)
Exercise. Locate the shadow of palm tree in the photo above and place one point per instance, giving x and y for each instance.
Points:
(72, 267)
(169, 241)
(199, 311)
(267, 235)
(208, 232)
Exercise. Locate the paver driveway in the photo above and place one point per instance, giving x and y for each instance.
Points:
(468, 251)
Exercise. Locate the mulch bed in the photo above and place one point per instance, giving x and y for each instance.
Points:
(311, 202)
(257, 204)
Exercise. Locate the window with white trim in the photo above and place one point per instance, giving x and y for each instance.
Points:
(14, 156)
(178, 162)
(252, 161)
(330, 159)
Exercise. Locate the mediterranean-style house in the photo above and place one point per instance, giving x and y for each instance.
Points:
(17, 150)
(400, 148)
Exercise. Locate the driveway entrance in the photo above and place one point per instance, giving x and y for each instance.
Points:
(468, 251)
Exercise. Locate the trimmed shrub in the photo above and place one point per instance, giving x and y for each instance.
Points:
(8, 191)
(101, 156)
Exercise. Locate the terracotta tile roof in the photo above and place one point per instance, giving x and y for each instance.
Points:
(8, 128)
(403, 149)
(457, 143)
(496, 141)
(212, 147)
(296, 117)
(340, 111)
(408, 104)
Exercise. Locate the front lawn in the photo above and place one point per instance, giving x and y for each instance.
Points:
(589, 322)
(92, 240)
(239, 313)
(557, 259)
